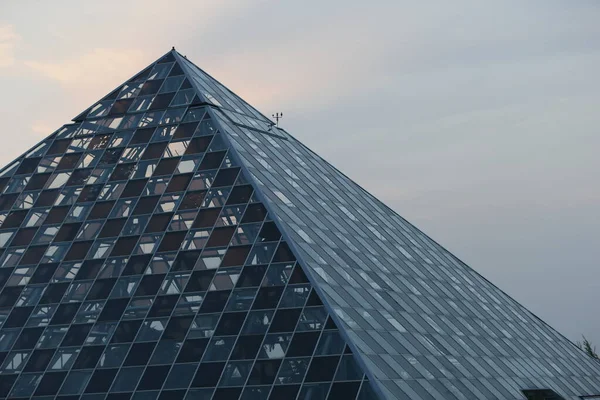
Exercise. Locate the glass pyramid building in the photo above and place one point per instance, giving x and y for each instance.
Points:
(172, 243)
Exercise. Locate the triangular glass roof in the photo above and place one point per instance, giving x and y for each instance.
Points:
(419, 322)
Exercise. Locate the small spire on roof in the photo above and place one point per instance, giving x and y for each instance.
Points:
(277, 117)
(173, 48)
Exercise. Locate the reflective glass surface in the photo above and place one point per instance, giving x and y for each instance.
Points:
(171, 243)
(137, 261)
(424, 324)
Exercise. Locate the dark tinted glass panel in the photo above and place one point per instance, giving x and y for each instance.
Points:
(192, 200)
(163, 305)
(47, 198)
(101, 210)
(252, 276)
(69, 161)
(101, 380)
(113, 309)
(142, 136)
(14, 219)
(50, 383)
(78, 251)
(254, 213)
(186, 260)
(54, 293)
(298, 276)
(162, 101)
(290, 392)
(33, 255)
(198, 145)
(145, 205)
(166, 166)
(149, 285)
(214, 302)
(159, 222)
(139, 354)
(43, 273)
(178, 183)
(268, 297)
(89, 193)
(208, 375)
(240, 194)
(150, 87)
(264, 372)
(192, 350)
(59, 146)
(226, 177)
(185, 130)
(88, 357)
(230, 323)
(28, 166)
(24, 237)
(101, 289)
(236, 256)
(120, 106)
(154, 150)
(122, 172)
(136, 264)
(76, 334)
(247, 347)
(37, 181)
(7, 200)
(112, 227)
(134, 188)
(124, 246)
(212, 160)
(303, 344)
(344, 390)
(322, 369)
(199, 281)
(56, 215)
(206, 218)
(39, 360)
(172, 241)
(285, 320)
(17, 317)
(89, 269)
(126, 331)
(67, 232)
(220, 237)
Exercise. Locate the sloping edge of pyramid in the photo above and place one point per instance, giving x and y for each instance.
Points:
(267, 202)
(463, 264)
(188, 66)
(80, 117)
(560, 337)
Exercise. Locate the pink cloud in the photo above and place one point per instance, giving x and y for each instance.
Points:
(8, 42)
(99, 68)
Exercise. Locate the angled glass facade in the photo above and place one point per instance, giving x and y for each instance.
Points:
(171, 243)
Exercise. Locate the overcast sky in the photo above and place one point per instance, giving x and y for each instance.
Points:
(475, 120)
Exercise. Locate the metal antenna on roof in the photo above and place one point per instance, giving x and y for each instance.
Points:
(277, 117)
